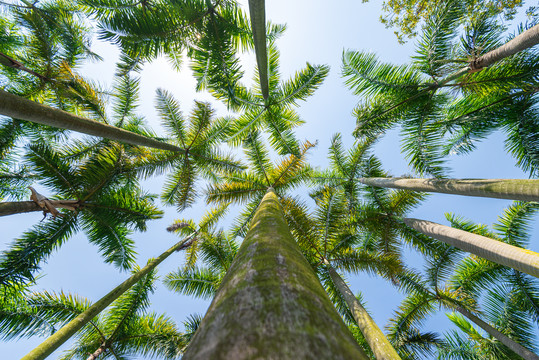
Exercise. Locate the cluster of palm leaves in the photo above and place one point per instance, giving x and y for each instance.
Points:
(454, 93)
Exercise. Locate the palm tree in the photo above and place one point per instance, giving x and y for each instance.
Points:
(513, 189)
(499, 96)
(428, 293)
(84, 317)
(107, 201)
(278, 295)
(248, 187)
(125, 329)
(200, 138)
(275, 113)
(329, 236)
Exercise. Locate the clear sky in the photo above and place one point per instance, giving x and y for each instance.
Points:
(317, 32)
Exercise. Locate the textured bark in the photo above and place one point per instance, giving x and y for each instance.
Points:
(257, 12)
(23, 109)
(499, 252)
(54, 341)
(270, 305)
(512, 189)
(19, 207)
(521, 42)
(98, 352)
(380, 346)
(504, 339)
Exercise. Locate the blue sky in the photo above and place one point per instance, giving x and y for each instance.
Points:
(317, 32)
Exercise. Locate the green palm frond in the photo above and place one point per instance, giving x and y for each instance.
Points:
(199, 282)
(24, 255)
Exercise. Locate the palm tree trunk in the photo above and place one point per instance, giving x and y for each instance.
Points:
(499, 252)
(521, 42)
(270, 303)
(512, 189)
(380, 346)
(20, 108)
(98, 352)
(48, 346)
(257, 12)
(504, 339)
(19, 207)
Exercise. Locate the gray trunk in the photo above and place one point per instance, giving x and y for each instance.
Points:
(380, 346)
(512, 189)
(257, 11)
(23, 109)
(504, 339)
(96, 353)
(19, 207)
(499, 252)
(521, 42)
(270, 304)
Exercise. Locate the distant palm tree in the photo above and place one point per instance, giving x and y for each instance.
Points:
(426, 294)
(85, 316)
(500, 96)
(251, 185)
(106, 200)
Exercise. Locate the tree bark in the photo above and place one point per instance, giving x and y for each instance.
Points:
(521, 42)
(504, 339)
(257, 12)
(98, 352)
(380, 346)
(48, 346)
(20, 108)
(270, 305)
(19, 207)
(512, 189)
(499, 252)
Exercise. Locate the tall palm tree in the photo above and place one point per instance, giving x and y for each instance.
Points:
(329, 237)
(84, 317)
(426, 294)
(109, 205)
(417, 96)
(271, 282)
(274, 114)
(248, 187)
(125, 329)
(201, 138)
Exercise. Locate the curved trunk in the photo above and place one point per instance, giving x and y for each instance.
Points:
(521, 42)
(48, 346)
(499, 252)
(380, 346)
(257, 12)
(19, 207)
(23, 109)
(512, 189)
(98, 352)
(504, 339)
(270, 303)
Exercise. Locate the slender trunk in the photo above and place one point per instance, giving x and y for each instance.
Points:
(521, 42)
(48, 346)
(270, 303)
(499, 252)
(257, 11)
(504, 339)
(23, 109)
(380, 346)
(98, 352)
(19, 207)
(512, 189)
